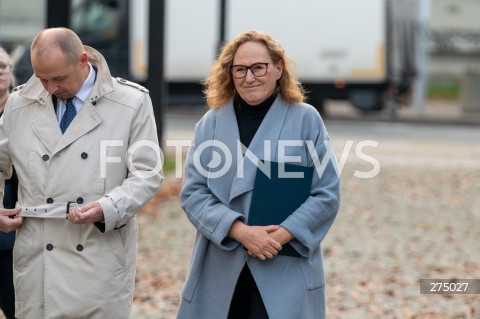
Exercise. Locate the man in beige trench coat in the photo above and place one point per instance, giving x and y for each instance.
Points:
(107, 161)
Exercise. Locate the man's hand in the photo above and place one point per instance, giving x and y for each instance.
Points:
(9, 219)
(87, 214)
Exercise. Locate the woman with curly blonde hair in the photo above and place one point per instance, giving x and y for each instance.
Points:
(220, 87)
(257, 115)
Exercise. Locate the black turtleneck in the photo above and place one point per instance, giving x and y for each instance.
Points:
(249, 117)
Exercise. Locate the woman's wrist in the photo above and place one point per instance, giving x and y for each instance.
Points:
(236, 230)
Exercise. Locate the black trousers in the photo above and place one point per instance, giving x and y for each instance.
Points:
(247, 302)
(7, 294)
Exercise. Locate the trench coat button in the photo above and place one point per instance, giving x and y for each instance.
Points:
(45, 157)
(80, 200)
(79, 247)
(49, 200)
(49, 247)
(94, 102)
(84, 155)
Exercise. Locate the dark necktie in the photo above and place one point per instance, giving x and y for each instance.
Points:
(68, 116)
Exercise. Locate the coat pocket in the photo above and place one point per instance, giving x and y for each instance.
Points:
(117, 249)
(312, 271)
(196, 271)
(109, 250)
(190, 286)
(23, 247)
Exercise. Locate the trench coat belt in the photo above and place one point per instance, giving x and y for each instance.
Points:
(56, 210)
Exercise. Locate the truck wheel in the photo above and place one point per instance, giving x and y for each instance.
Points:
(367, 100)
(319, 103)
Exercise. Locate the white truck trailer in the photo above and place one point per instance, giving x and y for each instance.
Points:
(361, 51)
(343, 49)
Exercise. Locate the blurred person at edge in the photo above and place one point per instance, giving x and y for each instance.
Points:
(7, 225)
(77, 260)
(235, 271)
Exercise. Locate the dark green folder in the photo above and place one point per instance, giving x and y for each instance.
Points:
(274, 198)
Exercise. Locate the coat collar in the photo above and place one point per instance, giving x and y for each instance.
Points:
(226, 131)
(45, 124)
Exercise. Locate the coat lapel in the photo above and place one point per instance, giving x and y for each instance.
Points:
(45, 124)
(47, 129)
(269, 131)
(226, 132)
(85, 121)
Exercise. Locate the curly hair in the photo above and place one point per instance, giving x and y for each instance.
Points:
(219, 86)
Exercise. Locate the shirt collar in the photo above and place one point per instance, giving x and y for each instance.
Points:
(87, 86)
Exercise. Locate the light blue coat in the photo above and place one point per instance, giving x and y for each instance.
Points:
(291, 287)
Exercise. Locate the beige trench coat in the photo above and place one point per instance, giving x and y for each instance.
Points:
(63, 270)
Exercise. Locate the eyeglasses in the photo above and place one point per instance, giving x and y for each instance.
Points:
(257, 69)
(4, 66)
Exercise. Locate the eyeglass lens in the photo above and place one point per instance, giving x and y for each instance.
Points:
(257, 69)
(4, 66)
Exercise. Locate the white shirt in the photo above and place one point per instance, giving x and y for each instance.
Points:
(81, 96)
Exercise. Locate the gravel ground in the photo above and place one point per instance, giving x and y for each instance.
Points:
(417, 219)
